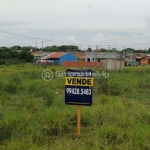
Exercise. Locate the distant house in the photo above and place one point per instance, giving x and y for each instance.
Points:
(80, 56)
(136, 59)
(58, 57)
(36, 55)
(40, 55)
(148, 58)
(106, 58)
(131, 59)
(100, 56)
(144, 60)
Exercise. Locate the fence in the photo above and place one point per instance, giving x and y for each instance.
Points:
(82, 64)
(114, 64)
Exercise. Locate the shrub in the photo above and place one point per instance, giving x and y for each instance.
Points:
(114, 88)
(2, 114)
(5, 132)
(11, 88)
(49, 98)
(2, 62)
(1, 84)
(34, 74)
(31, 105)
(15, 79)
(13, 84)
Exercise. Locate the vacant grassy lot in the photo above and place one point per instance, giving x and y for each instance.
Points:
(34, 117)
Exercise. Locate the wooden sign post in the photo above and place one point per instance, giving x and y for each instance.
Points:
(78, 119)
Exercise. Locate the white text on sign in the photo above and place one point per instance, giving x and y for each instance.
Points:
(79, 91)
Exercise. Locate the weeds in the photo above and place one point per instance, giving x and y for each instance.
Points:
(30, 105)
(35, 74)
(33, 116)
(11, 88)
(2, 114)
(49, 98)
(13, 84)
(1, 85)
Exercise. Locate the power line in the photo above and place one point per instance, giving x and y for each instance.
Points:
(73, 43)
(36, 38)
(9, 36)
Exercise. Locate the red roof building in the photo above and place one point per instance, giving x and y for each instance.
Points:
(55, 55)
(59, 57)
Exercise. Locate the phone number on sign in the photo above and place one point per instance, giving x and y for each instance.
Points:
(78, 91)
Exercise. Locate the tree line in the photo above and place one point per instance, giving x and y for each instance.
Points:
(18, 54)
(63, 48)
(73, 48)
(125, 51)
(12, 56)
(54, 48)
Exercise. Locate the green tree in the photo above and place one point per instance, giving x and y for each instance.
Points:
(51, 49)
(26, 56)
(89, 49)
(103, 50)
(14, 54)
(17, 47)
(63, 48)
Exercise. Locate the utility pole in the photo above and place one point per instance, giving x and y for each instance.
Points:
(42, 45)
(123, 52)
(30, 49)
(96, 57)
(131, 54)
(109, 51)
(36, 45)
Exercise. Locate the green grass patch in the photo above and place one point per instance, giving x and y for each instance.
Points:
(33, 114)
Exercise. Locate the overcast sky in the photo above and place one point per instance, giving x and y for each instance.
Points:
(83, 22)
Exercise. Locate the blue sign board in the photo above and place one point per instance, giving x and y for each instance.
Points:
(78, 87)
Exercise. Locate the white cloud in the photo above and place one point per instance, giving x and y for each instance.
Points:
(135, 40)
(99, 39)
(69, 38)
(147, 22)
(66, 40)
(83, 37)
(77, 14)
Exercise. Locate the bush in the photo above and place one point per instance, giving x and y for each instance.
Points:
(15, 78)
(49, 98)
(2, 114)
(1, 84)
(5, 132)
(13, 84)
(2, 62)
(11, 88)
(35, 74)
(31, 105)
(9, 61)
(114, 88)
